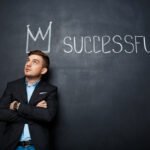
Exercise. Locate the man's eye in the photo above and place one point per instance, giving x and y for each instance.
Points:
(35, 62)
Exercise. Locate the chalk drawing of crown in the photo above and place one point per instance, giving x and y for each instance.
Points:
(42, 36)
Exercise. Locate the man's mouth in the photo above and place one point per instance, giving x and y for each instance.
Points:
(27, 70)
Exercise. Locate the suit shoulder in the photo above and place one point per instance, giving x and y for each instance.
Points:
(49, 85)
(53, 86)
(17, 81)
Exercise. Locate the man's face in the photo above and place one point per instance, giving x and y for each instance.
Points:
(34, 66)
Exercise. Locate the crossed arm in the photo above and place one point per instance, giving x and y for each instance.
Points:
(43, 111)
(10, 114)
(15, 105)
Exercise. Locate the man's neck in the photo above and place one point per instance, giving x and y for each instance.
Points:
(32, 80)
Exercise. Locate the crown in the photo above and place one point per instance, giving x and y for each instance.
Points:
(42, 36)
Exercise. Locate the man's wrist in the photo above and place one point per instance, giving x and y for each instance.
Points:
(16, 105)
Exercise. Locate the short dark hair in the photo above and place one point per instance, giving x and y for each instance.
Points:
(46, 62)
(43, 55)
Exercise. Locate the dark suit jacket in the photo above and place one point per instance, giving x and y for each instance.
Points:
(38, 118)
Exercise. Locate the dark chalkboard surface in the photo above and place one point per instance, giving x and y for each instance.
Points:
(100, 61)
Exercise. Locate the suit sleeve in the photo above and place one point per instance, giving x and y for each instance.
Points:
(6, 114)
(40, 114)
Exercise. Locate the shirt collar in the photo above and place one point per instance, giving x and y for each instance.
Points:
(32, 84)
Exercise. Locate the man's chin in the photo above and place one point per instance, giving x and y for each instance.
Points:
(32, 76)
(29, 76)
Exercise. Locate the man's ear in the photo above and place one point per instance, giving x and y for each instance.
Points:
(44, 70)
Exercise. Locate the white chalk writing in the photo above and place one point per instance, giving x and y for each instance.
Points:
(42, 36)
(105, 44)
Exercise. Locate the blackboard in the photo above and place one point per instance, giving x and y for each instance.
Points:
(100, 61)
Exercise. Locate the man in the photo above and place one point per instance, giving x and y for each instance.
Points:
(27, 107)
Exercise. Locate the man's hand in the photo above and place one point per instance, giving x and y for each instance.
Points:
(42, 104)
(14, 105)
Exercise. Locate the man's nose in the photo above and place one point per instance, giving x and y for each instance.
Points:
(28, 63)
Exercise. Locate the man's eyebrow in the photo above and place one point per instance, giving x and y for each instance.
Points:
(36, 60)
(28, 58)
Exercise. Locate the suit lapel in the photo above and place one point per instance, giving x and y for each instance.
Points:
(36, 92)
(22, 90)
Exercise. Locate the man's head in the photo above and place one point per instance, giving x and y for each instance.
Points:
(37, 64)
